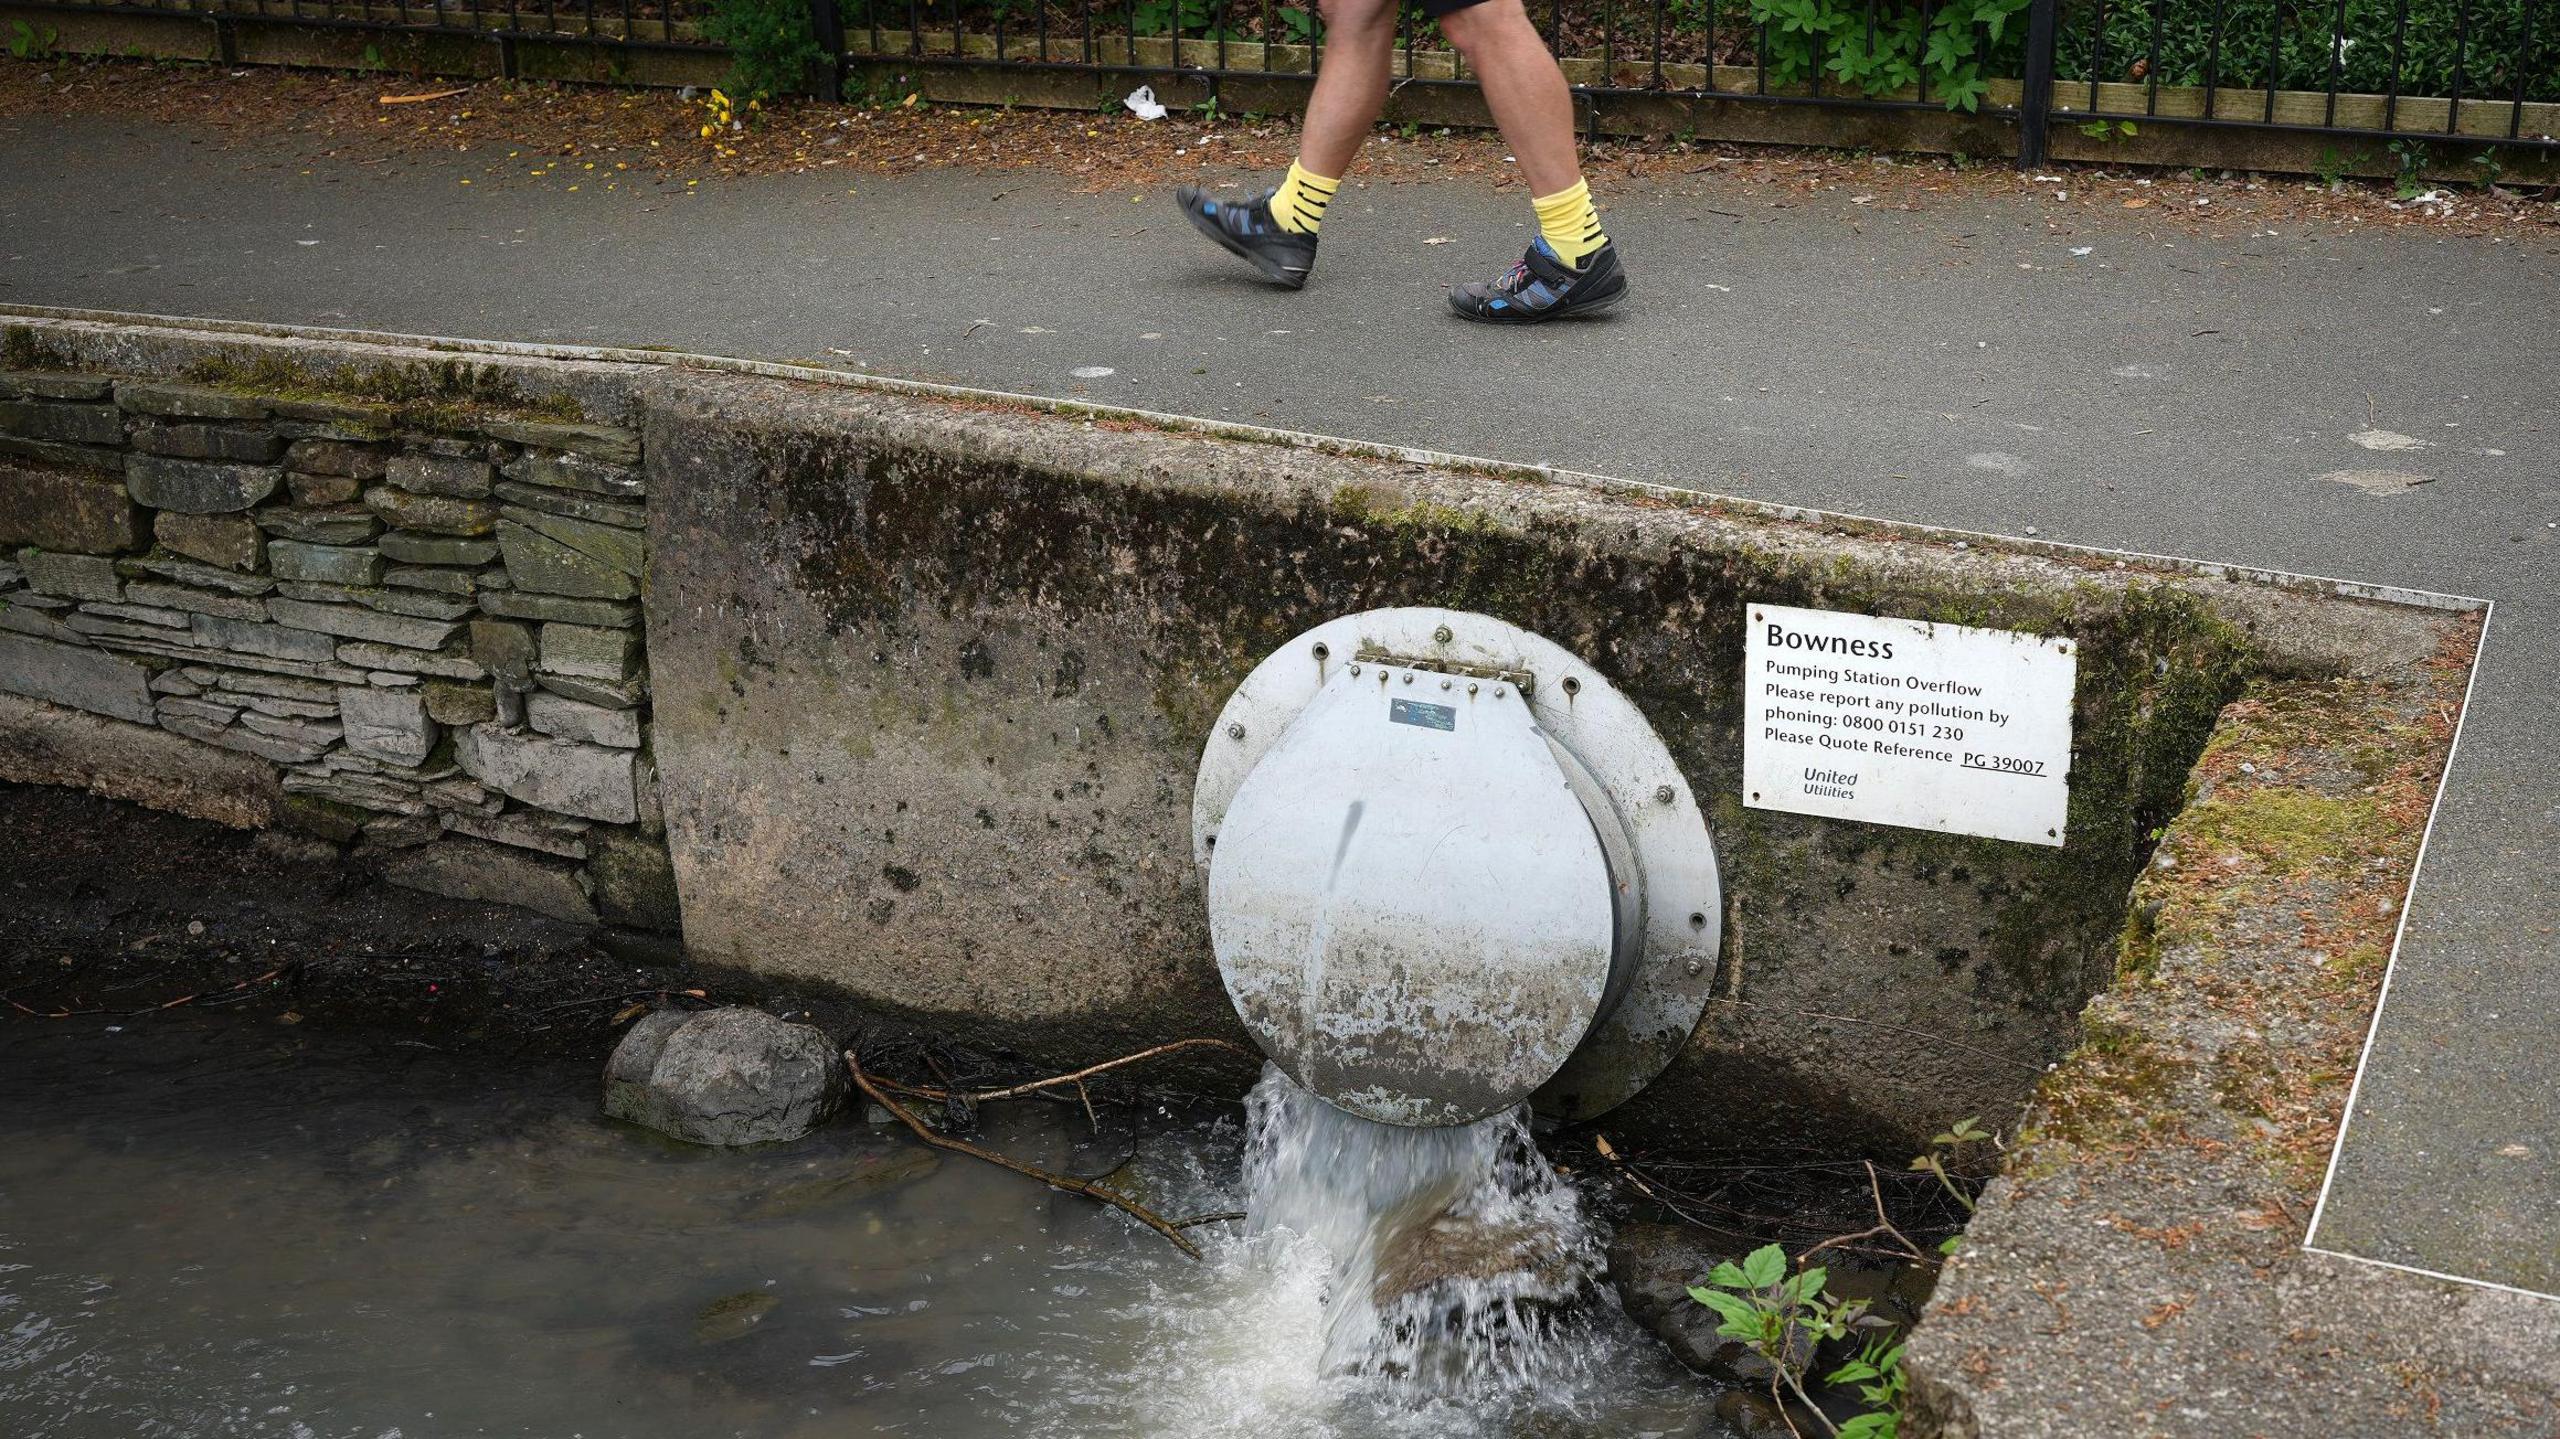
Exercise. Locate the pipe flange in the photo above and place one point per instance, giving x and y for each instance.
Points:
(1616, 749)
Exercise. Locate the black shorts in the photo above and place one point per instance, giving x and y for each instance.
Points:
(1437, 8)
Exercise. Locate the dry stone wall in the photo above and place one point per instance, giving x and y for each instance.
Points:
(424, 618)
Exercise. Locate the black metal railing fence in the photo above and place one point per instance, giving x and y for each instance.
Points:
(2403, 72)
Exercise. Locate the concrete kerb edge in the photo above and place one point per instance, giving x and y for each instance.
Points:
(2323, 585)
(2382, 1001)
(820, 374)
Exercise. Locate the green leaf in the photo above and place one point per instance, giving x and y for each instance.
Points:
(1871, 1426)
(1951, 1244)
(1809, 1283)
(1764, 1266)
(1734, 1307)
(1725, 1276)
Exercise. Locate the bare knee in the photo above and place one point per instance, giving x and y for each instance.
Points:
(1490, 25)
(1351, 17)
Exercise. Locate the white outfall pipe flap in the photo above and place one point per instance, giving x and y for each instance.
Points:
(1451, 868)
(1408, 902)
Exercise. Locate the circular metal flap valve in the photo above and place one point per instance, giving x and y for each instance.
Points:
(1450, 869)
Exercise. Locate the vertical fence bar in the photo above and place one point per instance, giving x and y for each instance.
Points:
(1659, 6)
(1715, 13)
(2337, 62)
(2524, 57)
(2275, 57)
(2151, 66)
(2461, 47)
(2035, 94)
(2097, 55)
(828, 21)
(2399, 51)
(1408, 21)
(2213, 61)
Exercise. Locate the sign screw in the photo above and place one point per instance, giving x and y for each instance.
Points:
(1355, 672)
(1442, 635)
(1408, 676)
(1235, 731)
(1663, 794)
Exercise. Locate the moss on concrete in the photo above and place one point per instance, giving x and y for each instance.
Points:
(449, 396)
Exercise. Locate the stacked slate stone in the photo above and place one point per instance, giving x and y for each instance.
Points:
(434, 635)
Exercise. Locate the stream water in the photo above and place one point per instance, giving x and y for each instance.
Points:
(217, 1225)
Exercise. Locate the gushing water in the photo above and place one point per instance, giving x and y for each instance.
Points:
(1457, 1256)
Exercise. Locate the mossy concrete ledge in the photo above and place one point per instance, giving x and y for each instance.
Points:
(2138, 1268)
(933, 679)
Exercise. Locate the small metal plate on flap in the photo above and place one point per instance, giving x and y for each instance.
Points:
(1422, 714)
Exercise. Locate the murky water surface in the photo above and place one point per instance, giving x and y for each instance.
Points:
(212, 1226)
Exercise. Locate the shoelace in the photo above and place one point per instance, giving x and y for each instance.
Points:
(1516, 280)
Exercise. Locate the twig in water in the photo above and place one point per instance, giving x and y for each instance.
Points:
(1223, 1217)
(1067, 1182)
(1883, 1226)
(184, 999)
(918, 1091)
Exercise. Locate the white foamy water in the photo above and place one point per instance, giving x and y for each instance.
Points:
(1287, 1332)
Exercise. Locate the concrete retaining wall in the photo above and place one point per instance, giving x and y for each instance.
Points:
(927, 681)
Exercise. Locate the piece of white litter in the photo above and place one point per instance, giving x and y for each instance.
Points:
(1142, 103)
(1721, 289)
(1437, 240)
(1091, 372)
(306, 242)
(2048, 179)
(2083, 249)
(1037, 330)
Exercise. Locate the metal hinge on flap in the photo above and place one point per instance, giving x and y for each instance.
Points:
(1520, 680)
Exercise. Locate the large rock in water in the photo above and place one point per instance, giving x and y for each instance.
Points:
(724, 1076)
(1450, 1259)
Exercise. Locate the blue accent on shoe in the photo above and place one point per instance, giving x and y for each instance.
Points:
(1543, 287)
(1247, 229)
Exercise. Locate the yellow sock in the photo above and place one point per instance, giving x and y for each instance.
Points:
(1298, 205)
(1571, 223)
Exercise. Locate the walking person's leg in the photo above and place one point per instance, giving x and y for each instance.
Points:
(1571, 267)
(1277, 230)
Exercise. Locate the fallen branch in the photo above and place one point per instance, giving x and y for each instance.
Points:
(919, 1091)
(422, 99)
(1067, 1182)
(1883, 1227)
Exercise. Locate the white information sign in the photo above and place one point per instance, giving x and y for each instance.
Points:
(1901, 722)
